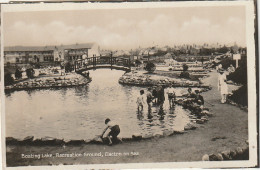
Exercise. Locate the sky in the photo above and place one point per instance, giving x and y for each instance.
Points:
(128, 28)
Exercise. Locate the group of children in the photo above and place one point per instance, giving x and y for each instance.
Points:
(195, 97)
(114, 128)
(155, 95)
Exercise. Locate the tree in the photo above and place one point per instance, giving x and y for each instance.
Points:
(226, 62)
(138, 62)
(240, 75)
(240, 95)
(30, 73)
(184, 73)
(223, 49)
(150, 67)
(9, 80)
(18, 74)
(185, 67)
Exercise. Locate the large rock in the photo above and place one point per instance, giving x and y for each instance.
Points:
(51, 141)
(11, 141)
(190, 126)
(28, 139)
(226, 155)
(200, 121)
(205, 157)
(205, 118)
(168, 133)
(215, 157)
(148, 136)
(247, 142)
(179, 132)
(136, 137)
(239, 154)
(127, 139)
(75, 142)
(232, 155)
(158, 134)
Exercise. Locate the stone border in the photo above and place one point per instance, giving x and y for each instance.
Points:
(237, 154)
(30, 140)
(51, 82)
(147, 81)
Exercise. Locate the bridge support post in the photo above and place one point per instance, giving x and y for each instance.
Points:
(111, 61)
(75, 66)
(94, 62)
(129, 64)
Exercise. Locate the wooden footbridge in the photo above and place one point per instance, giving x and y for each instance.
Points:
(117, 63)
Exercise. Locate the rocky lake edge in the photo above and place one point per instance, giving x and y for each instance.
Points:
(47, 82)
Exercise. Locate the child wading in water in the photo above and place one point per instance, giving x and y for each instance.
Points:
(114, 131)
(149, 98)
(140, 101)
(171, 96)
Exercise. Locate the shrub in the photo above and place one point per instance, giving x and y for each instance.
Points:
(150, 67)
(240, 96)
(185, 67)
(9, 80)
(226, 62)
(37, 65)
(18, 74)
(138, 62)
(240, 75)
(185, 75)
(30, 73)
(68, 67)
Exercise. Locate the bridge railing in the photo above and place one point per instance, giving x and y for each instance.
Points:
(93, 61)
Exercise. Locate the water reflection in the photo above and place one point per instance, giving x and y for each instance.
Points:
(79, 112)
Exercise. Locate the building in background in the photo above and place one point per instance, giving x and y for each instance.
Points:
(29, 54)
(45, 54)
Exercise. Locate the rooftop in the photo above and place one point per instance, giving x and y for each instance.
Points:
(48, 48)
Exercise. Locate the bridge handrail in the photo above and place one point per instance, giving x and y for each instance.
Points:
(82, 64)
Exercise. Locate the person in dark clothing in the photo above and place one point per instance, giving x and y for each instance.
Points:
(190, 93)
(30, 73)
(88, 74)
(154, 93)
(114, 131)
(149, 98)
(160, 93)
(199, 99)
(18, 73)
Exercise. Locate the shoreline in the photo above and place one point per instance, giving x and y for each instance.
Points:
(138, 78)
(226, 130)
(49, 82)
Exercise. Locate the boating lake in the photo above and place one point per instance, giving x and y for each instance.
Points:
(80, 112)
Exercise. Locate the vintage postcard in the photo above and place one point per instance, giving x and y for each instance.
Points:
(128, 85)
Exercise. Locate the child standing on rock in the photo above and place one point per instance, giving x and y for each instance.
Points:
(140, 101)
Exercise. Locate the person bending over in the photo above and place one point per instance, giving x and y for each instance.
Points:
(114, 131)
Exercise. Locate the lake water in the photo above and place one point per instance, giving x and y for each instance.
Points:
(80, 112)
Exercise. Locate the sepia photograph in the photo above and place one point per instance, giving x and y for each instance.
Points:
(129, 84)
